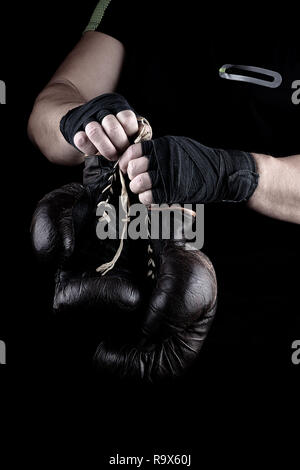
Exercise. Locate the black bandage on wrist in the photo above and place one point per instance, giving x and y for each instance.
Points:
(185, 171)
(94, 110)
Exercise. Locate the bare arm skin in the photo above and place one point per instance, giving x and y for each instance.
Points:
(278, 192)
(93, 67)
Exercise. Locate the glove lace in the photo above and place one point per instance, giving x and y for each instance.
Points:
(145, 133)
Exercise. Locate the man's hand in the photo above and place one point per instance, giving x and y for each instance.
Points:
(277, 194)
(104, 124)
(175, 169)
(110, 138)
(135, 164)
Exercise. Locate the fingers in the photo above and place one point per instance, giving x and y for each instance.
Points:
(137, 166)
(140, 183)
(146, 197)
(133, 152)
(115, 132)
(128, 121)
(111, 137)
(83, 143)
(100, 140)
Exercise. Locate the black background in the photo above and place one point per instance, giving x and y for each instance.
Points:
(244, 382)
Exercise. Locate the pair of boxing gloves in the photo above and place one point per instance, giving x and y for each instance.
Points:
(148, 328)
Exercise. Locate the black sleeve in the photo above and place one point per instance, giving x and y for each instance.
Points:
(115, 18)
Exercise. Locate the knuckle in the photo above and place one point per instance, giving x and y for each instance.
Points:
(127, 114)
(131, 168)
(142, 199)
(131, 152)
(92, 130)
(108, 118)
(140, 181)
(145, 162)
(145, 198)
(113, 129)
(111, 124)
(127, 157)
(80, 140)
(135, 185)
(129, 122)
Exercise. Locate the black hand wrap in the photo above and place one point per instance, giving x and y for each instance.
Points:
(185, 171)
(94, 110)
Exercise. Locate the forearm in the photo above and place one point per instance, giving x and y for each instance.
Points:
(278, 192)
(43, 127)
(93, 67)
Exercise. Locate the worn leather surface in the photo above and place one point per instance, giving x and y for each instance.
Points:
(147, 329)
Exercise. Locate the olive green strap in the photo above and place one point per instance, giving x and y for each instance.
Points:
(97, 15)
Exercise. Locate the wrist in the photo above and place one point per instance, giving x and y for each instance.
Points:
(264, 164)
(240, 176)
(267, 167)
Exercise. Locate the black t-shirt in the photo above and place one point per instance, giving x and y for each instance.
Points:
(175, 50)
